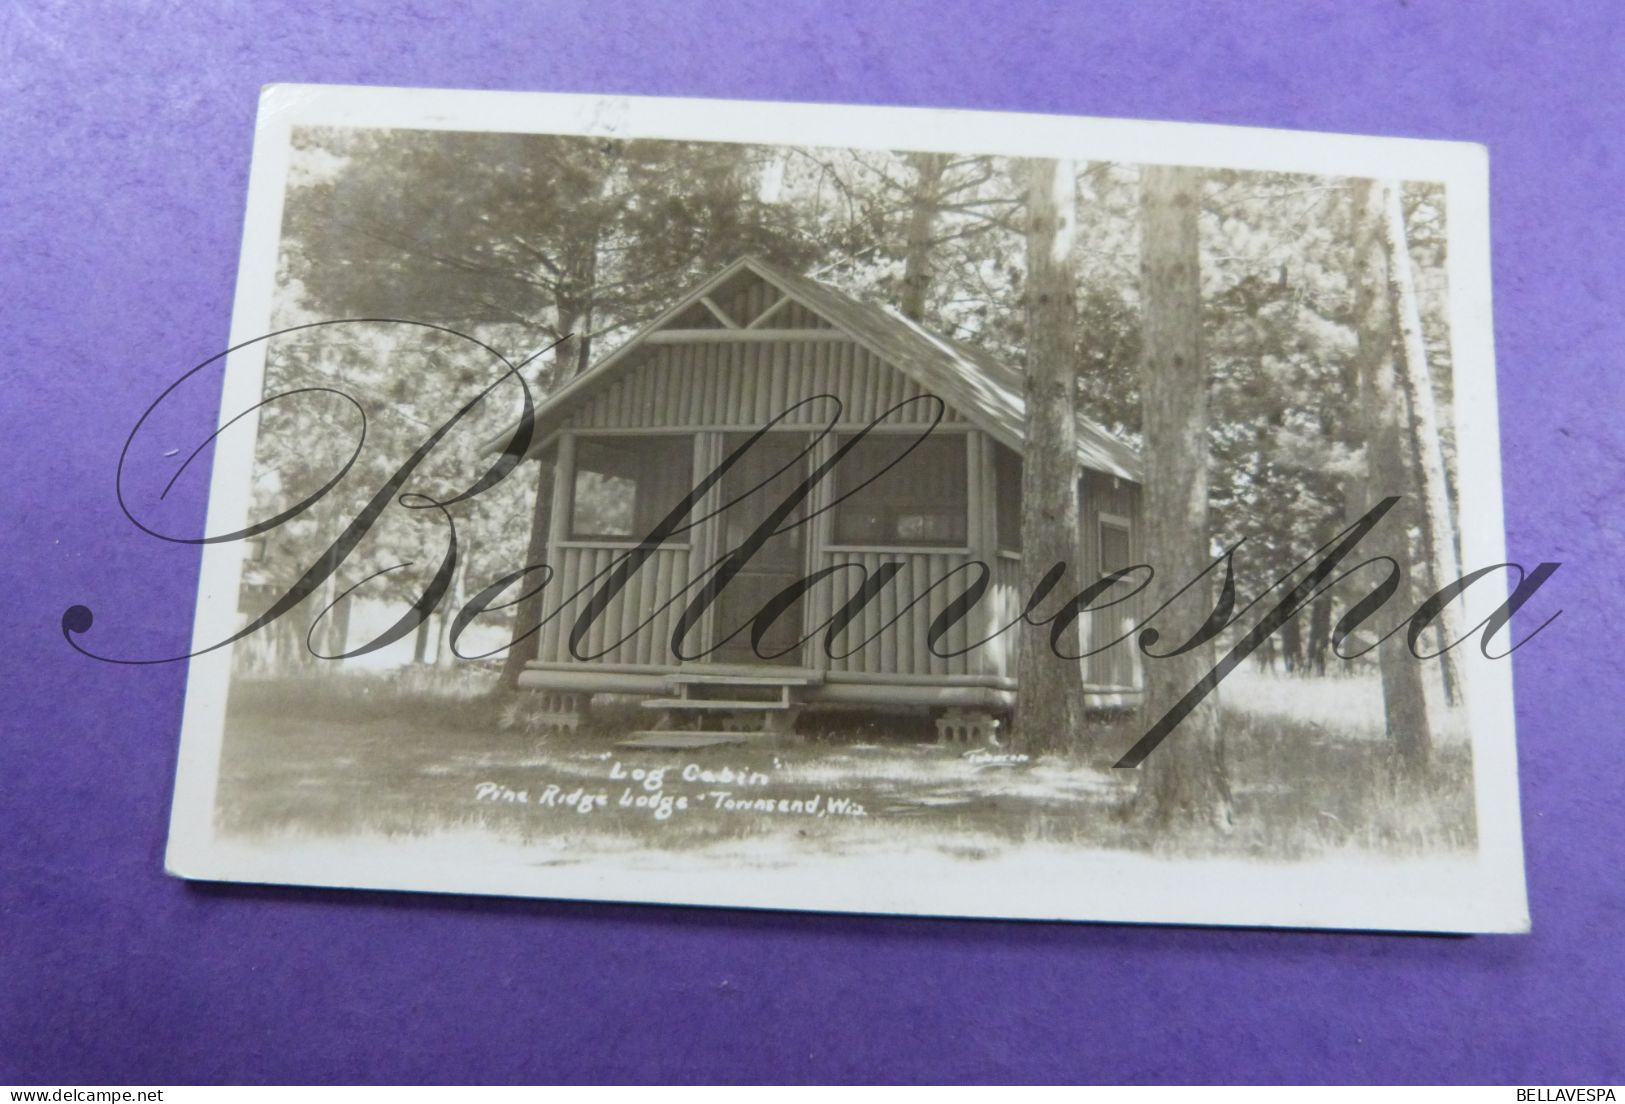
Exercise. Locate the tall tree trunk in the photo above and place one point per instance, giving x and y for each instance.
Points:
(1438, 521)
(1265, 656)
(922, 221)
(291, 653)
(1291, 635)
(319, 633)
(1320, 636)
(444, 656)
(573, 309)
(1186, 779)
(421, 638)
(1049, 702)
(339, 638)
(1386, 427)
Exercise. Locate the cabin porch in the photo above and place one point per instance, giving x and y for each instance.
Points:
(737, 702)
(893, 459)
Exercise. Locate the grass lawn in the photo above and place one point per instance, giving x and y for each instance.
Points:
(349, 755)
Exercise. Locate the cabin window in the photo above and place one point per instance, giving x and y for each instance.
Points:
(1114, 546)
(1007, 497)
(1117, 666)
(624, 485)
(919, 500)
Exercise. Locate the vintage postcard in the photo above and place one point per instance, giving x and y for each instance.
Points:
(853, 509)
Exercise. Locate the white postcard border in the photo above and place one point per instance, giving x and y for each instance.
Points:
(1484, 893)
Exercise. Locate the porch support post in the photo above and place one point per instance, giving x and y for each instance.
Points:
(982, 532)
(564, 481)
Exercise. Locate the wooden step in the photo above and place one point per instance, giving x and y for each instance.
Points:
(712, 703)
(753, 678)
(683, 741)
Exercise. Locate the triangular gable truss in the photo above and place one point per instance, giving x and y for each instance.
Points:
(983, 391)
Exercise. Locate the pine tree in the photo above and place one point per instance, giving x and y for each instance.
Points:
(1185, 778)
(1049, 704)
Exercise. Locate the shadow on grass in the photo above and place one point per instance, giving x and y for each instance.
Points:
(342, 756)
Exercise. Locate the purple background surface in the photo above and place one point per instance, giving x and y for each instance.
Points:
(126, 139)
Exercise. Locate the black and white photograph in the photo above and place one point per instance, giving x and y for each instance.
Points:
(854, 509)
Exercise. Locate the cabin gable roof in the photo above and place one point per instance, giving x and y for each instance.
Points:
(983, 390)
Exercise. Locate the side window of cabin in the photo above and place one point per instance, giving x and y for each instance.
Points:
(1114, 546)
(1118, 666)
(1007, 504)
(896, 496)
(624, 485)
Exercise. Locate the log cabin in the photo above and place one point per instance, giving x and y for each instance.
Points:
(639, 430)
